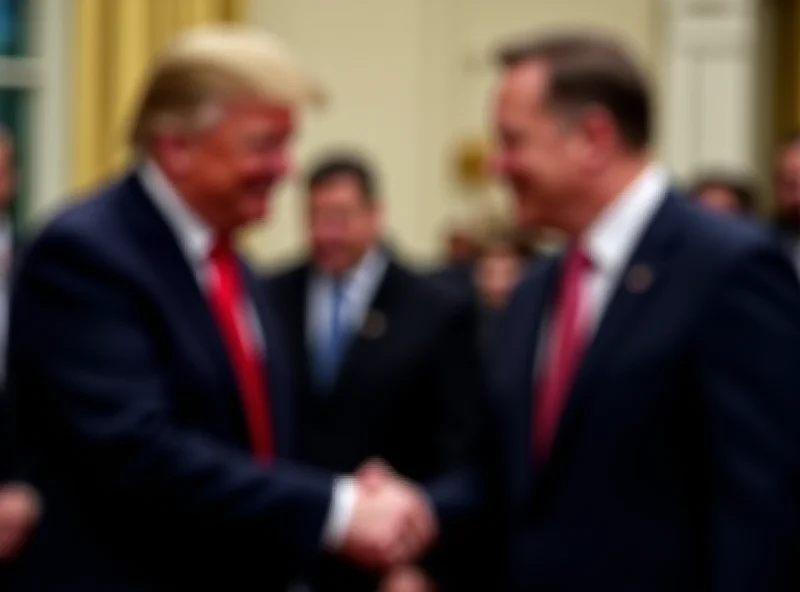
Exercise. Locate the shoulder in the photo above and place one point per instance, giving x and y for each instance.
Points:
(723, 238)
(285, 279)
(719, 247)
(90, 230)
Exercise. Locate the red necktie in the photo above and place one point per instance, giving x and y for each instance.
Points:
(229, 306)
(566, 344)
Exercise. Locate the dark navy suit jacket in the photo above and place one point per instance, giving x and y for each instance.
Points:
(675, 467)
(130, 418)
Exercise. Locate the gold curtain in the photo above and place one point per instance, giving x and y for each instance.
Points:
(787, 67)
(114, 41)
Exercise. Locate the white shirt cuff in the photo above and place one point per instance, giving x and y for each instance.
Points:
(343, 503)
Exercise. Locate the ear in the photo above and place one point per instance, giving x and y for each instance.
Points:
(173, 150)
(599, 133)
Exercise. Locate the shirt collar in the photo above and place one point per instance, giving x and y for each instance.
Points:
(370, 268)
(194, 235)
(613, 236)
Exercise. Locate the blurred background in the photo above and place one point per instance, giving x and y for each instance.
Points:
(409, 82)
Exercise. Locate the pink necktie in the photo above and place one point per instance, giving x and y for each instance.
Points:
(567, 341)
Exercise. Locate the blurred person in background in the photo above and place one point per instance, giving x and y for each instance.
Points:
(501, 263)
(787, 196)
(457, 275)
(149, 372)
(726, 194)
(20, 507)
(644, 386)
(385, 367)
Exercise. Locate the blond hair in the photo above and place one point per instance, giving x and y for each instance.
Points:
(204, 68)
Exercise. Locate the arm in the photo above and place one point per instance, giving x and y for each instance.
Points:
(456, 494)
(82, 355)
(461, 388)
(748, 360)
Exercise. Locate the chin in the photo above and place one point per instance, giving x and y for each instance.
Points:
(257, 210)
(528, 217)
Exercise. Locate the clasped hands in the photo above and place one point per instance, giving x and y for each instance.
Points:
(20, 509)
(392, 523)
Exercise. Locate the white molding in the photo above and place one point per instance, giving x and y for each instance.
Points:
(50, 125)
(709, 95)
(22, 73)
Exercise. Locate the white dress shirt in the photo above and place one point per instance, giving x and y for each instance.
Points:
(196, 239)
(610, 243)
(612, 239)
(360, 285)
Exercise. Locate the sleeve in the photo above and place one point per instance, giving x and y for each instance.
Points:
(747, 361)
(83, 357)
(460, 383)
(341, 513)
(457, 493)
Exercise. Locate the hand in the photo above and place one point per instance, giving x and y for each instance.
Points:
(20, 510)
(406, 579)
(392, 523)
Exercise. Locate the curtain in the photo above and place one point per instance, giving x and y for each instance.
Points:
(787, 67)
(114, 42)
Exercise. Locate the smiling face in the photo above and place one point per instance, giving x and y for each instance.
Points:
(572, 121)
(228, 171)
(343, 224)
(540, 157)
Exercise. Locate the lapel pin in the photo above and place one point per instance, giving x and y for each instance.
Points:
(639, 279)
(374, 325)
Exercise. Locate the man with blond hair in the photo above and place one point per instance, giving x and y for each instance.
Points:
(152, 385)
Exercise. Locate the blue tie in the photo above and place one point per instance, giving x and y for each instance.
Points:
(332, 346)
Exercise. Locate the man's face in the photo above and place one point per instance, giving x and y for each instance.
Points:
(497, 275)
(460, 247)
(787, 190)
(720, 199)
(343, 224)
(540, 156)
(234, 166)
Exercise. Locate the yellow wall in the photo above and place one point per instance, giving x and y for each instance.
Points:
(408, 79)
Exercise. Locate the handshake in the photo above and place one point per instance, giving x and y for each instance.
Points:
(392, 523)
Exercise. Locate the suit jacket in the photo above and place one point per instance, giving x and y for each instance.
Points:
(456, 278)
(676, 462)
(130, 415)
(408, 391)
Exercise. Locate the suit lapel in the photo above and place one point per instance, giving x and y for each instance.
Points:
(518, 359)
(371, 332)
(176, 272)
(643, 277)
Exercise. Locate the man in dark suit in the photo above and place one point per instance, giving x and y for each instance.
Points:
(645, 385)
(386, 366)
(148, 370)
